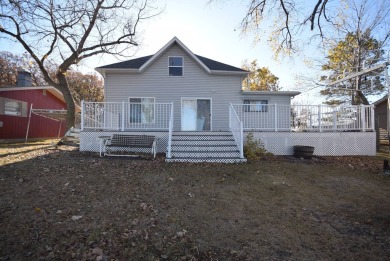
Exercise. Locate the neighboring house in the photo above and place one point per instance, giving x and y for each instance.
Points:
(17, 120)
(194, 105)
(381, 112)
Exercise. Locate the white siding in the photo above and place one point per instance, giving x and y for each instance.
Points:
(195, 83)
(268, 119)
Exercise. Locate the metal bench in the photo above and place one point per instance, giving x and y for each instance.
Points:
(123, 142)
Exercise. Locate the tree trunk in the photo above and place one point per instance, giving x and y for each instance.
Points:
(63, 87)
(359, 92)
(362, 97)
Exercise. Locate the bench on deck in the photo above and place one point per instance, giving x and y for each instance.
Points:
(124, 142)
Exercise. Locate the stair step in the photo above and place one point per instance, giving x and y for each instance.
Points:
(201, 133)
(197, 138)
(205, 154)
(69, 138)
(204, 148)
(212, 160)
(203, 142)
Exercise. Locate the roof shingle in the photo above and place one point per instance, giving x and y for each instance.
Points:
(138, 62)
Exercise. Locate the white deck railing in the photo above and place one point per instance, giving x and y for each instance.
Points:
(170, 131)
(311, 118)
(126, 116)
(236, 127)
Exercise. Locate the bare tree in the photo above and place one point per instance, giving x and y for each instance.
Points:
(68, 31)
(288, 24)
(286, 18)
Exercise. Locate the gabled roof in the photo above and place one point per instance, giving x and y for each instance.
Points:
(130, 64)
(141, 64)
(273, 93)
(50, 89)
(380, 101)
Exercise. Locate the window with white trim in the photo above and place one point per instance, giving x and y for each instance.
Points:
(141, 109)
(175, 65)
(256, 105)
(13, 107)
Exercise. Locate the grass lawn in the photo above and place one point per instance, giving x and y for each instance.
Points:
(60, 204)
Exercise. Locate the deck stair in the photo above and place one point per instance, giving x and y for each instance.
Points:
(204, 147)
(71, 137)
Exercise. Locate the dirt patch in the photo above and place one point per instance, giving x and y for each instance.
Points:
(60, 204)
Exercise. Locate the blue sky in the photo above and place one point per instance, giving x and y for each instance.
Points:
(212, 30)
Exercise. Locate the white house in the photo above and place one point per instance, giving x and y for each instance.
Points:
(198, 110)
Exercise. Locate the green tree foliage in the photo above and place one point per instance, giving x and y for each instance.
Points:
(260, 78)
(88, 87)
(347, 56)
(254, 148)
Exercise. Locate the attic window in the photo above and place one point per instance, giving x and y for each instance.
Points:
(175, 64)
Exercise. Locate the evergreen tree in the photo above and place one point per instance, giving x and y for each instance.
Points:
(356, 52)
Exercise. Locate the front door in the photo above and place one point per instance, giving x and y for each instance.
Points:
(195, 114)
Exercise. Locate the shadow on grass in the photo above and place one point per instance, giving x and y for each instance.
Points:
(24, 151)
(26, 144)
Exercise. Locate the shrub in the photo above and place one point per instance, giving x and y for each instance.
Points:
(254, 149)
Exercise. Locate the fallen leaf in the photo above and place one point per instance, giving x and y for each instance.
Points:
(75, 218)
(97, 251)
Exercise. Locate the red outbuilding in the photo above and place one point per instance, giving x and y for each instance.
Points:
(31, 111)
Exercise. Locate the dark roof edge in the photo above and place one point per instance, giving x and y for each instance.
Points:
(141, 63)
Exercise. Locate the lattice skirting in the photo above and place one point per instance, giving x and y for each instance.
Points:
(324, 143)
(278, 143)
(89, 140)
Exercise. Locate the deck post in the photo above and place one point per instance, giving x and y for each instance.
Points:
(310, 120)
(123, 116)
(276, 117)
(363, 117)
(241, 140)
(170, 130)
(372, 113)
(334, 119)
(82, 115)
(230, 116)
(319, 118)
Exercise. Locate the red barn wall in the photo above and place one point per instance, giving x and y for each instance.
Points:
(14, 127)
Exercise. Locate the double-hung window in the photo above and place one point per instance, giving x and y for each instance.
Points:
(141, 110)
(13, 107)
(256, 105)
(175, 65)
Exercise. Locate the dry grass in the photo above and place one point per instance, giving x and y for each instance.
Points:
(278, 208)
